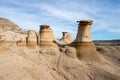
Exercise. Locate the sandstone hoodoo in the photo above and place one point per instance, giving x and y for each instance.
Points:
(32, 38)
(83, 43)
(84, 31)
(46, 36)
(66, 38)
(39, 56)
(46, 40)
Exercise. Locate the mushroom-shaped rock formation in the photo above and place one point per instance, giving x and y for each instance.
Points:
(46, 36)
(66, 38)
(31, 38)
(83, 43)
(46, 40)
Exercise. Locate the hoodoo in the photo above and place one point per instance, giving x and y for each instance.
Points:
(84, 31)
(46, 36)
(32, 38)
(66, 38)
(46, 40)
(83, 43)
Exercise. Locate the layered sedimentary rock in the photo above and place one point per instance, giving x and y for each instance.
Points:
(46, 40)
(84, 31)
(21, 40)
(8, 25)
(2, 38)
(67, 37)
(85, 47)
(32, 38)
(11, 33)
(46, 36)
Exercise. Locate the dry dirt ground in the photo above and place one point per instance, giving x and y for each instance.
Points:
(35, 63)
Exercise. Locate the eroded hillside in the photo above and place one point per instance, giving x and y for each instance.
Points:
(42, 57)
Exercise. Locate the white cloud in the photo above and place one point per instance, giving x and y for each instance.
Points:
(115, 30)
(62, 15)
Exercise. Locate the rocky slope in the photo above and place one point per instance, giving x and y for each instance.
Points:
(9, 31)
(8, 25)
(25, 63)
(61, 63)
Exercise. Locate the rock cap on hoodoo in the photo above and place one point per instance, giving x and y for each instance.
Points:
(44, 26)
(85, 22)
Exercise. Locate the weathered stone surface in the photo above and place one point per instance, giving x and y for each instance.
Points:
(8, 25)
(32, 38)
(10, 32)
(84, 31)
(38, 63)
(83, 37)
(71, 52)
(87, 51)
(2, 38)
(49, 50)
(46, 36)
(22, 41)
(66, 38)
(83, 43)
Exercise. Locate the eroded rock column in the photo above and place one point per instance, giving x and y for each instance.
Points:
(83, 43)
(32, 38)
(46, 36)
(83, 37)
(66, 38)
(84, 31)
(46, 40)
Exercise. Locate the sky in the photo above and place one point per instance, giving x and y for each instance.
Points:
(62, 15)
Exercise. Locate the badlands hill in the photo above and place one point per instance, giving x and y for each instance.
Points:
(34, 60)
(6, 24)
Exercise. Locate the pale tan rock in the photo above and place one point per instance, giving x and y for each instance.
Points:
(46, 41)
(8, 25)
(85, 47)
(71, 52)
(22, 63)
(22, 41)
(84, 31)
(32, 38)
(46, 36)
(1, 30)
(66, 38)
(2, 38)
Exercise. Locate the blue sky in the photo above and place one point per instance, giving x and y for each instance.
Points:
(62, 15)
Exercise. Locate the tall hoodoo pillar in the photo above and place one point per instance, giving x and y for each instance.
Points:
(84, 31)
(83, 37)
(46, 36)
(83, 43)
